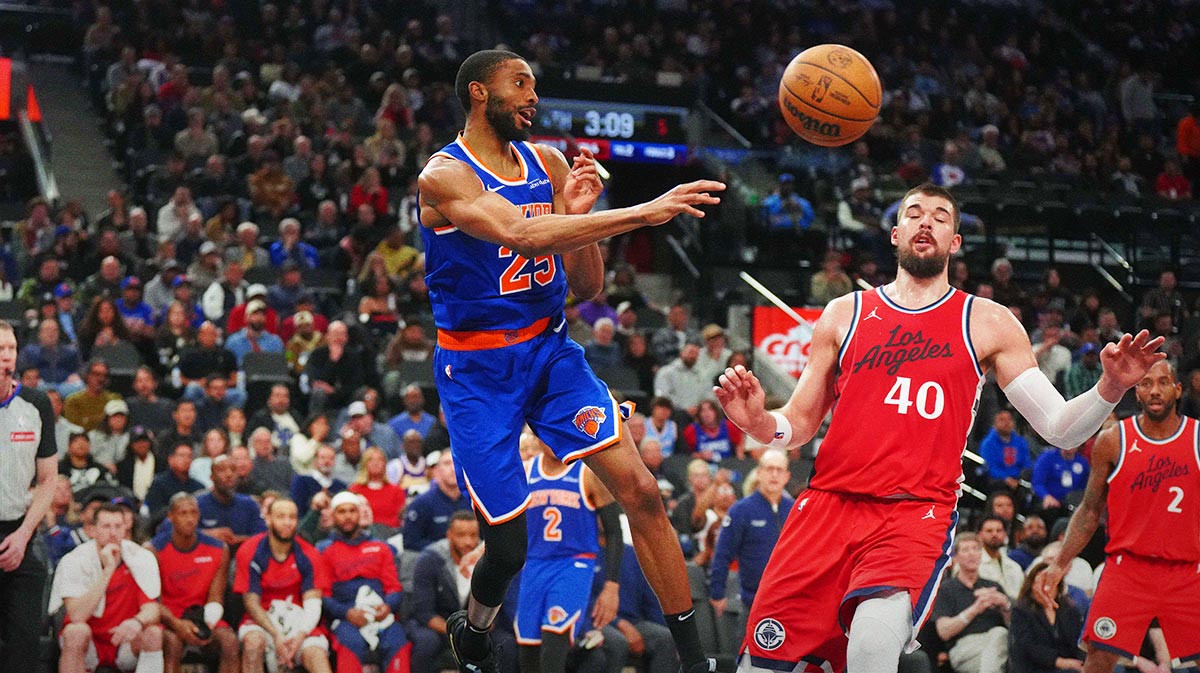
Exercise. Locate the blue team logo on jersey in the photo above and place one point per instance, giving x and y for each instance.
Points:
(589, 419)
(557, 615)
(769, 634)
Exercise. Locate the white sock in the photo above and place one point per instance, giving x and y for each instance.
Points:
(150, 662)
(878, 634)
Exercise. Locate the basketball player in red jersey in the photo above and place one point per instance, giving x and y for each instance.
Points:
(1146, 469)
(856, 568)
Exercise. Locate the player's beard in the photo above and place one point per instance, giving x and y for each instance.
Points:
(501, 120)
(286, 540)
(1159, 417)
(921, 267)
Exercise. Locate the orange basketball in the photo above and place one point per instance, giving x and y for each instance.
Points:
(830, 95)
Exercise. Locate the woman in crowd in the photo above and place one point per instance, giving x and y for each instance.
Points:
(1042, 638)
(103, 326)
(386, 499)
(216, 443)
(711, 437)
(174, 336)
(111, 438)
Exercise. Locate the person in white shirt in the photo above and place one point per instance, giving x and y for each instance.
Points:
(995, 565)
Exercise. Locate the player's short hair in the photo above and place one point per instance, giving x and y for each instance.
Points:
(478, 67)
(6, 326)
(462, 515)
(930, 189)
(983, 522)
(180, 498)
(963, 538)
(279, 499)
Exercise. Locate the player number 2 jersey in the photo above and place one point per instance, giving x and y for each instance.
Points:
(560, 519)
(904, 401)
(1154, 494)
(477, 285)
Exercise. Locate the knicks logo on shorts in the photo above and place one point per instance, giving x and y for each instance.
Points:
(556, 614)
(588, 420)
(769, 634)
(1105, 628)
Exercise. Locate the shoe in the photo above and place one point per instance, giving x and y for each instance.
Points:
(709, 665)
(454, 631)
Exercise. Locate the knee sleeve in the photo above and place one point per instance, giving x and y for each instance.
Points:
(503, 558)
(879, 632)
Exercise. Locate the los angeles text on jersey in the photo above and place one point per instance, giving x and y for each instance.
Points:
(1158, 469)
(901, 347)
(536, 209)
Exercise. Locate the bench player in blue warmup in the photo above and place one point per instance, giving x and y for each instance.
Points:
(507, 231)
(556, 584)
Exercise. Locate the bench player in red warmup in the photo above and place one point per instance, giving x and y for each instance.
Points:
(507, 231)
(856, 569)
(1146, 469)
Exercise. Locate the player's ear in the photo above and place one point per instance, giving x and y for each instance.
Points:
(955, 243)
(478, 91)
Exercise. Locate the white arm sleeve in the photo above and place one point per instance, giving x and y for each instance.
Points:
(312, 615)
(213, 613)
(1064, 424)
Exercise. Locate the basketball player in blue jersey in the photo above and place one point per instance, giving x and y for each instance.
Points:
(507, 232)
(565, 502)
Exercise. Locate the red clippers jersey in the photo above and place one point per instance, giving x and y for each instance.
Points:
(904, 400)
(1154, 494)
(259, 572)
(187, 575)
(122, 600)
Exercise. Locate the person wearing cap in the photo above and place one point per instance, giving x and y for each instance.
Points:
(159, 290)
(111, 438)
(254, 337)
(786, 210)
(137, 469)
(282, 295)
(306, 302)
(363, 598)
(715, 354)
(1085, 372)
(183, 290)
(373, 432)
(303, 342)
(56, 362)
(247, 250)
(206, 269)
(289, 247)
(219, 299)
(237, 315)
(64, 301)
(138, 315)
(428, 515)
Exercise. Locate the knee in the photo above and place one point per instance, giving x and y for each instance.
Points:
(76, 636)
(254, 644)
(226, 642)
(151, 639)
(639, 495)
(506, 546)
(171, 641)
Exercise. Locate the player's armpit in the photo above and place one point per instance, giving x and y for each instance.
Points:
(813, 395)
(1000, 341)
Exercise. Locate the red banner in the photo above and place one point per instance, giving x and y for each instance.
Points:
(779, 336)
(599, 147)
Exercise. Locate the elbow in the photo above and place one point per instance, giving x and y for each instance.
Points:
(585, 289)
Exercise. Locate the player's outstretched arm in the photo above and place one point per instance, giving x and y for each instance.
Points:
(451, 193)
(1086, 519)
(1002, 344)
(742, 397)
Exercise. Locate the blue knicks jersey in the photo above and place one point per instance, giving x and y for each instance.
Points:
(560, 519)
(477, 285)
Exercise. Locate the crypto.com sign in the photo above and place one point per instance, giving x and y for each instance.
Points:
(779, 336)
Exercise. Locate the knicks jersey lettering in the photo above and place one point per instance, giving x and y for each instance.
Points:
(905, 398)
(560, 520)
(479, 285)
(1154, 494)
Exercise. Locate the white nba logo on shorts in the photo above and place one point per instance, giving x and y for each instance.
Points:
(769, 634)
(1105, 628)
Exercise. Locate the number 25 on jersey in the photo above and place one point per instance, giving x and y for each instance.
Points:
(516, 278)
(930, 400)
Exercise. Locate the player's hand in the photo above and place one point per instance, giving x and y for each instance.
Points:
(605, 607)
(719, 605)
(1128, 360)
(742, 397)
(110, 557)
(382, 611)
(356, 617)
(126, 631)
(681, 199)
(12, 550)
(188, 632)
(287, 654)
(1050, 502)
(583, 184)
(637, 644)
(1045, 587)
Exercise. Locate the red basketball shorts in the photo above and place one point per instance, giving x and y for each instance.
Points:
(1133, 590)
(835, 550)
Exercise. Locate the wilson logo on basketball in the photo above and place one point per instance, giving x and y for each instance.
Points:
(588, 420)
(810, 124)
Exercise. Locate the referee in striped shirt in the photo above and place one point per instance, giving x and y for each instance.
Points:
(27, 449)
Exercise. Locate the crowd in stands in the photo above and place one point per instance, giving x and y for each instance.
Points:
(270, 153)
